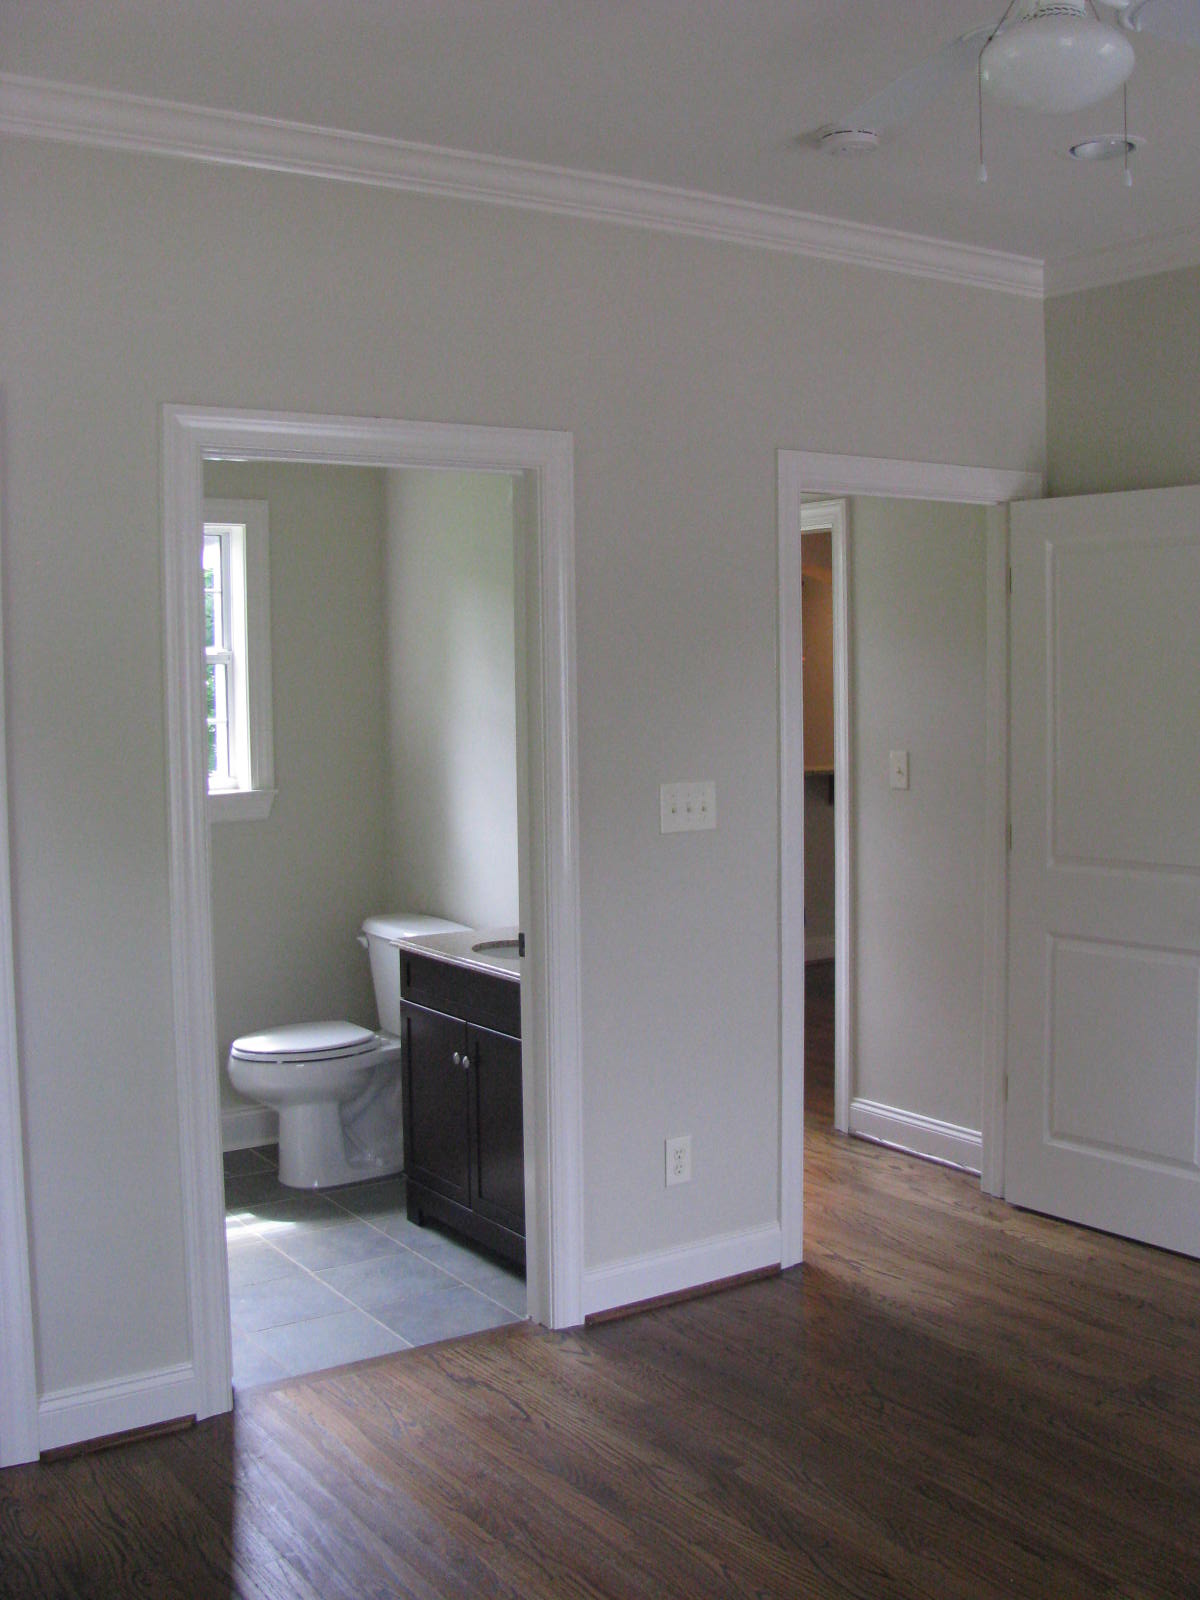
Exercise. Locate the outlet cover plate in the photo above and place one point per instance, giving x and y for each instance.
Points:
(679, 1159)
(684, 807)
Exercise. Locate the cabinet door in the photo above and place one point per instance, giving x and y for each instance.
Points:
(436, 1103)
(497, 1128)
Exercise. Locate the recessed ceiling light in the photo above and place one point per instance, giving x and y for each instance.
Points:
(836, 141)
(1108, 147)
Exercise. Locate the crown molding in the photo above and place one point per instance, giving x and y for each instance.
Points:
(38, 109)
(1165, 252)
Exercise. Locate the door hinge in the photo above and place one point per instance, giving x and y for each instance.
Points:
(1010, 838)
(1010, 580)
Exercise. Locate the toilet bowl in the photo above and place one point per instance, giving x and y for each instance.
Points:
(335, 1085)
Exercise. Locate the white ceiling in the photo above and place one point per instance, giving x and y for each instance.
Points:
(714, 96)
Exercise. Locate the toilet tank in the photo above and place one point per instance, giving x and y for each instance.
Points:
(378, 933)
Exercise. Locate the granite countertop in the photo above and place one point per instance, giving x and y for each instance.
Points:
(461, 949)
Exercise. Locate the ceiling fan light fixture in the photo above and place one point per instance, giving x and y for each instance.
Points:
(1055, 58)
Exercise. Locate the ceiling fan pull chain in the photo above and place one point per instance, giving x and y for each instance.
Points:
(982, 172)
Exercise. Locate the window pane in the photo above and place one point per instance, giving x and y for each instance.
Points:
(213, 599)
(216, 693)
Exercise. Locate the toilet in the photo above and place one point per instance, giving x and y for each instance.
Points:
(335, 1085)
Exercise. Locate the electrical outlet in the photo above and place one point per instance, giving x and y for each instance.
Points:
(679, 1159)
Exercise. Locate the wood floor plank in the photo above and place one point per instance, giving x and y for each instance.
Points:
(950, 1400)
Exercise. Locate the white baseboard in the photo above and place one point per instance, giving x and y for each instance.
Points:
(98, 1410)
(819, 947)
(243, 1127)
(920, 1136)
(626, 1283)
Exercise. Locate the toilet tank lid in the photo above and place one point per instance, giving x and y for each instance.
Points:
(408, 925)
(306, 1039)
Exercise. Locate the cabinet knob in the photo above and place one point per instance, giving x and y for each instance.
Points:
(466, 1061)
(457, 1058)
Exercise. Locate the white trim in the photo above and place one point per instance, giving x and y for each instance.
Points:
(239, 805)
(1118, 263)
(820, 947)
(18, 1373)
(995, 865)
(99, 1410)
(39, 109)
(919, 1136)
(245, 1127)
(801, 473)
(629, 1282)
(552, 1048)
(913, 480)
(791, 872)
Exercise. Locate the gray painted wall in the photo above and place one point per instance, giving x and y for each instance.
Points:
(1121, 402)
(452, 708)
(680, 366)
(290, 891)
(918, 573)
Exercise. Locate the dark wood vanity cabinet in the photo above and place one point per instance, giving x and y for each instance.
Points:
(464, 1155)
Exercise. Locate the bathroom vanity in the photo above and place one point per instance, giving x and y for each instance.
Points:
(464, 1155)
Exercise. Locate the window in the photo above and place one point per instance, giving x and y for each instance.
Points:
(237, 659)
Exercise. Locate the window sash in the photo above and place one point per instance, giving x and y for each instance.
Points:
(237, 568)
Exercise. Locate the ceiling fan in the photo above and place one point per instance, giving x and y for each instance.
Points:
(1041, 55)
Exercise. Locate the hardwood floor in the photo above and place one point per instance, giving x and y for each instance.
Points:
(950, 1398)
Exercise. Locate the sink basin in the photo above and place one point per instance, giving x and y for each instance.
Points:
(501, 946)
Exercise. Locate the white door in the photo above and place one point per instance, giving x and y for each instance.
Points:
(1103, 1124)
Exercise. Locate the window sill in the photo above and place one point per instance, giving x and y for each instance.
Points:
(240, 805)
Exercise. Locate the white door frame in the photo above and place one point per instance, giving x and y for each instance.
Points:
(18, 1374)
(803, 473)
(551, 1044)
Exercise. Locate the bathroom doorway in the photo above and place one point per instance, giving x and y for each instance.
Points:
(389, 721)
(536, 472)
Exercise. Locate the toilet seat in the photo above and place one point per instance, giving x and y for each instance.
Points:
(298, 1042)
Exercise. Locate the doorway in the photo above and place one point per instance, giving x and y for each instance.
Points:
(828, 780)
(542, 465)
(801, 477)
(379, 778)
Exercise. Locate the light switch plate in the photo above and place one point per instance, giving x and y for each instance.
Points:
(684, 807)
(898, 769)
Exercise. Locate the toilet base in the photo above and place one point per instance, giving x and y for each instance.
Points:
(312, 1150)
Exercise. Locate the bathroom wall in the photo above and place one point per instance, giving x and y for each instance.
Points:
(451, 672)
(290, 891)
(918, 648)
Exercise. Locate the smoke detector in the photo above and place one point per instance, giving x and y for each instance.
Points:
(838, 141)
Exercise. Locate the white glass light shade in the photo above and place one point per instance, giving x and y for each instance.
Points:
(1055, 63)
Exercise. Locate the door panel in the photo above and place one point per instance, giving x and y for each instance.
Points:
(1104, 881)
(436, 1147)
(498, 1128)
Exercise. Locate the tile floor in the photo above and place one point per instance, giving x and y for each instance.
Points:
(320, 1279)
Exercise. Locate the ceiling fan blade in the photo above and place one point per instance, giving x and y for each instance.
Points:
(912, 91)
(1176, 20)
